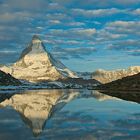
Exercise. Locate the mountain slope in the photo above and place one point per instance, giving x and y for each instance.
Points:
(7, 79)
(36, 64)
(104, 76)
(127, 88)
(131, 83)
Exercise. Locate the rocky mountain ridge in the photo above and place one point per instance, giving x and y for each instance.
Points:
(104, 76)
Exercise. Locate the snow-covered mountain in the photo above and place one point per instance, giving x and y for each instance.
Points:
(104, 76)
(37, 64)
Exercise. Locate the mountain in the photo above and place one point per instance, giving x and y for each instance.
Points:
(104, 76)
(79, 83)
(129, 83)
(7, 79)
(37, 64)
(84, 75)
(127, 88)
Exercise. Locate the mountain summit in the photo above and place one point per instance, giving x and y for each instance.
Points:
(35, 46)
(37, 64)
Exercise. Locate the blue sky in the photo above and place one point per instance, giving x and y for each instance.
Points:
(84, 34)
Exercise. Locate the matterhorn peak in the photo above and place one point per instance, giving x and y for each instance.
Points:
(37, 44)
(36, 40)
(35, 47)
(37, 64)
(35, 37)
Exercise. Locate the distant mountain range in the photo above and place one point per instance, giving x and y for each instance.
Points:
(104, 76)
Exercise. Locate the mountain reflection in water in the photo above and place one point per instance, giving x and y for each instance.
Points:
(37, 107)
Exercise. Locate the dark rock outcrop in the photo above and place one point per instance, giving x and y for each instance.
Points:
(7, 79)
(127, 88)
(130, 83)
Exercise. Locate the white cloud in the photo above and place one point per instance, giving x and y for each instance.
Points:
(58, 16)
(26, 4)
(75, 23)
(124, 27)
(127, 2)
(134, 51)
(136, 12)
(97, 13)
(77, 52)
(62, 42)
(7, 52)
(126, 45)
(78, 33)
(54, 22)
(97, 3)
(123, 23)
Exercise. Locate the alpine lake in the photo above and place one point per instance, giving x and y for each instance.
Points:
(67, 114)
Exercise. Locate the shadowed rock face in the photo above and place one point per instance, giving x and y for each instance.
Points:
(127, 88)
(36, 64)
(104, 76)
(7, 79)
(129, 83)
(36, 43)
(36, 107)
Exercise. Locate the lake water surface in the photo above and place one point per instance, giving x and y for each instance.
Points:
(68, 115)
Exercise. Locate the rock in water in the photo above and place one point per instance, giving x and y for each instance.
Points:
(37, 64)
